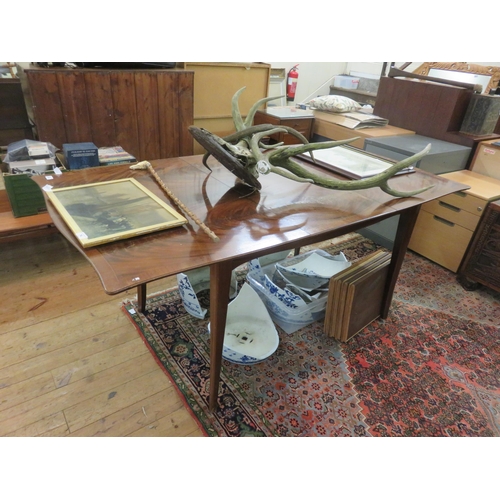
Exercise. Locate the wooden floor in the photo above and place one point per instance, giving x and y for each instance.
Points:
(71, 363)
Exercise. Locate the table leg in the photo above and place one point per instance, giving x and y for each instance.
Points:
(407, 221)
(141, 297)
(220, 282)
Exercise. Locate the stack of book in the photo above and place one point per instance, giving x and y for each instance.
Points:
(355, 296)
(114, 156)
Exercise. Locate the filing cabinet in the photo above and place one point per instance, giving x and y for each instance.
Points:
(444, 157)
(445, 227)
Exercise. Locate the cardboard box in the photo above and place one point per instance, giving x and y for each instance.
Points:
(346, 82)
(487, 159)
(81, 155)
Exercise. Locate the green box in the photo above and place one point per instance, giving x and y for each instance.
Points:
(25, 196)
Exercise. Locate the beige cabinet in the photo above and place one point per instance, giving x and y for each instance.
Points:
(445, 227)
(214, 87)
(486, 159)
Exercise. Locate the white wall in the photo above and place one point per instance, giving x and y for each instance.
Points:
(315, 78)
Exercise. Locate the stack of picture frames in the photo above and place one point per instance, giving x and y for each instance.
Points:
(355, 295)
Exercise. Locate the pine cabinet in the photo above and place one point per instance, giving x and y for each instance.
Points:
(147, 112)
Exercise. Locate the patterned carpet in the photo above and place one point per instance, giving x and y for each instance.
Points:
(430, 369)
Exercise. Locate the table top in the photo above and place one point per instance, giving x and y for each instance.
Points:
(284, 214)
(481, 186)
(286, 112)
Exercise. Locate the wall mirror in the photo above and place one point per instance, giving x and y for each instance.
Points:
(487, 76)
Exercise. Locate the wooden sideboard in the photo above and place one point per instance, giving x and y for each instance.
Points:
(147, 112)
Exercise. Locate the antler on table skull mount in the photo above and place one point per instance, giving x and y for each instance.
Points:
(247, 157)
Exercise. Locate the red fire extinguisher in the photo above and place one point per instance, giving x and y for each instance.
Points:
(291, 83)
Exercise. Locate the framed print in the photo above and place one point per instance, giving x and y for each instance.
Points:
(112, 210)
(352, 162)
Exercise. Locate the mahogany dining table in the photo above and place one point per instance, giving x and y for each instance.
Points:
(283, 214)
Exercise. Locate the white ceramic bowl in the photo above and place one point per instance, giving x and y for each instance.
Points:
(250, 336)
(314, 271)
(191, 283)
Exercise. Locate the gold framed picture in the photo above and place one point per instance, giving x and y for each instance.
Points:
(102, 212)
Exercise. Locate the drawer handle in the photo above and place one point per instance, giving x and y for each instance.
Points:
(444, 221)
(449, 207)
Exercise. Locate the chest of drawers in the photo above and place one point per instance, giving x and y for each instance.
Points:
(445, 227)
(301, 121)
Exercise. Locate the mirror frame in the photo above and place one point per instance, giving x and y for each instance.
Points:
(492, 71)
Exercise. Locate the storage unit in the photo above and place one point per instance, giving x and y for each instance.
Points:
(445, 227)
(299, 120)
(147, 112)
(214, 87)
(443, 157)
(25, 196)
(482, 261)
(486, 159)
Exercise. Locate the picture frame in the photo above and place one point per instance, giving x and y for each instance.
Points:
(352, 163)
(492, 72)
(107, 211)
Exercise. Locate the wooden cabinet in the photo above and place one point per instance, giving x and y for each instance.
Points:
(482, 262)
(430, 109)
(214, 87)
(14, 122)
(147, 112)
(299, 120)
(445, 227)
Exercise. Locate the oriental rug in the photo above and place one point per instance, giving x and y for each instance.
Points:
(432, 368)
